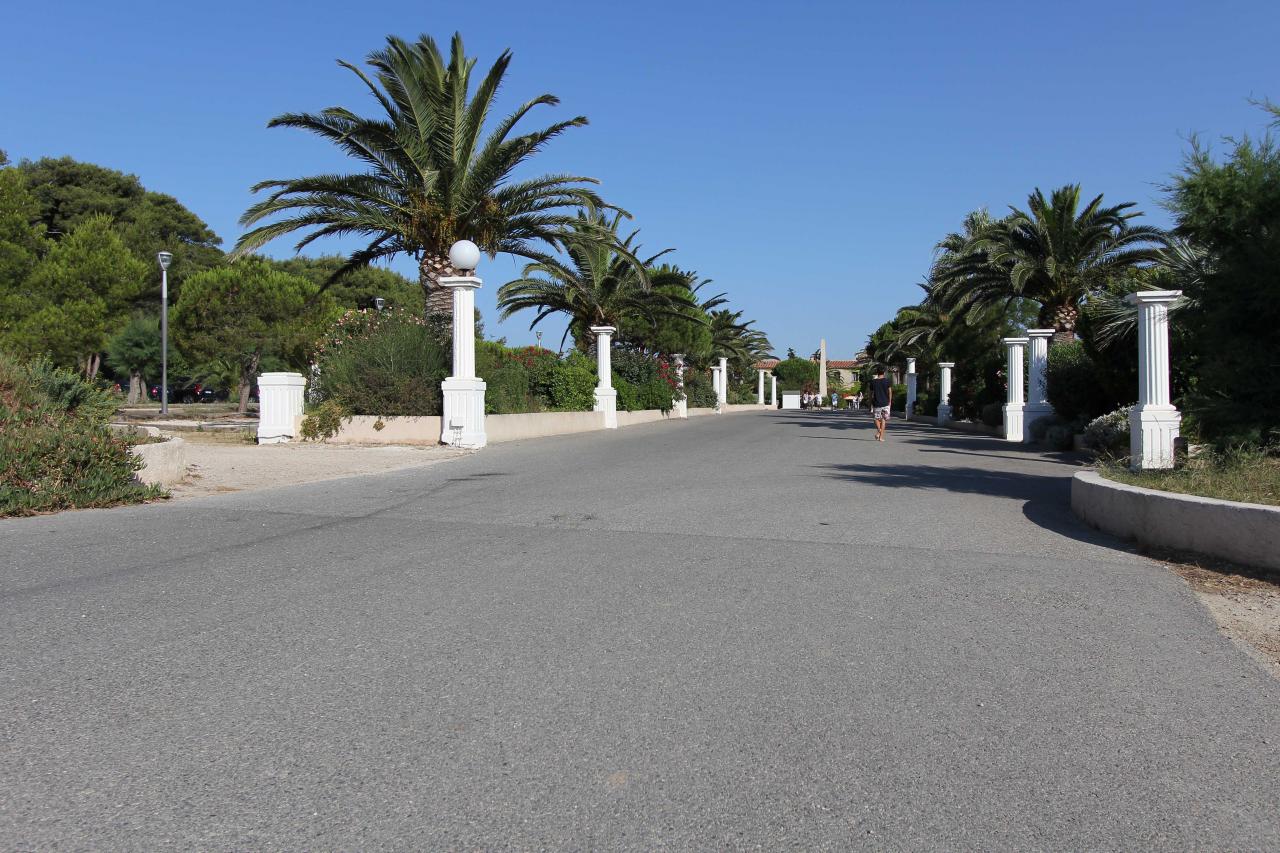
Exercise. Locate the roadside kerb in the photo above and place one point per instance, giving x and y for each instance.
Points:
(1239, 532)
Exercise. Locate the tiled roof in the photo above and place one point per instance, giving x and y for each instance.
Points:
(845, 364)
(765, 364)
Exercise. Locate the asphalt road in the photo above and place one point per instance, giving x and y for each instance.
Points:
(750, 631)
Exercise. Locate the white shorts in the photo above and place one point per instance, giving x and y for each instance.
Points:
(880, 413)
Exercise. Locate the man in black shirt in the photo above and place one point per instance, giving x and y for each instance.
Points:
(881, 400)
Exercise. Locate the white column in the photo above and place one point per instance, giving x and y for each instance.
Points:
(773, 393)
(1037, 403)
(822, 369)
(280, 397)
(1014, 424)
(760, 388)
(911, 387)
(1154, 423)
(944, 391)
(722, 393)
(605, 395)
(462, 415)
(680, 406)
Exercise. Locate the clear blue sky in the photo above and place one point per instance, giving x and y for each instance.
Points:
(806, 156)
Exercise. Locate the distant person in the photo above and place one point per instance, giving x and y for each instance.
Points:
(835, 401)
(881, 401)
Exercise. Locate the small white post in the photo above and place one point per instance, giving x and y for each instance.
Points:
(680, 407)
(462, 413)
(911, 388)
(759, 387)
(1037, 403)
(1014, 426)
(773, 393)
(605, 395)
(944, 391)
(280, 397)
(1154, 423)
(722, 393)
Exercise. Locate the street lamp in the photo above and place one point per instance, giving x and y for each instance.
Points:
(165, 259)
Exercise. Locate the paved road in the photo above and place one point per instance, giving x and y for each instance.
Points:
(761, 630)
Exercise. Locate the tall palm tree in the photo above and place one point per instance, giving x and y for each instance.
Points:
(1054, 253)
(600, 282)
(736, 340)
(428, 178)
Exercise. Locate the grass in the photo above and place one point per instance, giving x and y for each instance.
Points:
(1246, 475)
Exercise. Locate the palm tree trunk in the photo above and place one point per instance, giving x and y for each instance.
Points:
(1062, 318)
(431, 268)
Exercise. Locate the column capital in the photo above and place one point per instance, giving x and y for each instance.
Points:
(1153, 297)
(1013, 342)
(1041, 333)
(465, 282)
(911, 365)
(947, 364)
(603, 330)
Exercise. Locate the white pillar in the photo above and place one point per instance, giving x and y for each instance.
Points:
(773, 393)
(822, 369)
(462, 413)
(1154, 423)
(722, 393)
(280, 398)
(760, 388)
(680, 405)
(1037, 402)
(911, 387)
(1014, 424)
(605, 395)
(944, 391)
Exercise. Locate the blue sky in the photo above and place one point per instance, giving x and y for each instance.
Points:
(805, 156)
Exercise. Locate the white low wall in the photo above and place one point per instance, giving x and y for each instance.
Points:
(500, 428)
(163, 463)
(1239, 532)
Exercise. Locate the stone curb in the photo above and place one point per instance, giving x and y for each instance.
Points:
(1239, 532)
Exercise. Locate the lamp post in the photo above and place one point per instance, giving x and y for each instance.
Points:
(165, 259)
(462, 393)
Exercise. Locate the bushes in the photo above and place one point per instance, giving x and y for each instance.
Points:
(1072, 384)
(899, 398)
(56, 451)
(1109, 434)
(573, 383)
(698, 390)
(387, 364)
(993, 414)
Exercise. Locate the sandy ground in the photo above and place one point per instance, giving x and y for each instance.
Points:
(219, 463)
(1244, 602)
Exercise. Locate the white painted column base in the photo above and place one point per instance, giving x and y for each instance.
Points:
(462, 415)
(1033, 412)
(680, 408)
(280, 397)
(910, 408)
(1013, 427)
(944, 413)
(607, 402)
(1152, 431)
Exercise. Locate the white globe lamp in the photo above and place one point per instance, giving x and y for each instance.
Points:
(464, 256)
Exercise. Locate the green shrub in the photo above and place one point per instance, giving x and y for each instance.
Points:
(56, 451)
(993, 414)
(1058, 437)
(1072, 382)
(324, 421)
(1040, 427)
(1109, 434)
(628, 394)
(698, 390)
(392, 366)
(899, 398)
(927, 404)
(573, 385)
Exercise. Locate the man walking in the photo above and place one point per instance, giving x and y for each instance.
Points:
(881, 401)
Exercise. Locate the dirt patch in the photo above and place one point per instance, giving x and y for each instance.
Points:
(221, 463)
(1244, 601)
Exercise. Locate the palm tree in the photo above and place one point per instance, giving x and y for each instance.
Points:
(601, 281)
(1053, 253)
(736, 340)
(428, 180)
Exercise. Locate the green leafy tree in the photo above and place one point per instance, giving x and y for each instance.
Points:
(1055, 253)
(686, 329)
(70, 192)
(429, 178)
(86, 285)
(22, 242)
(356, 288)
(248, 312)
(134, 351)
(796, 374)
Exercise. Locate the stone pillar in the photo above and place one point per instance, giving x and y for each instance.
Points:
(760, 388)
(722, 393)
(680, 406)
(911, 387)
(279, 406)
(1154, 423)
(1037, 403)
(462, 413)
(822, 369)
(605, 394)
(1014, 426)
(773, 393)
(944, 391)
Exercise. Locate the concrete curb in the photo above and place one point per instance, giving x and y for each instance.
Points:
(163, 464)
(1240, 532)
